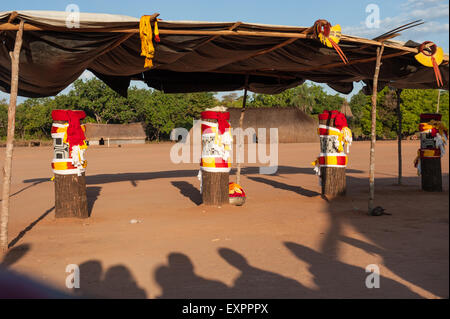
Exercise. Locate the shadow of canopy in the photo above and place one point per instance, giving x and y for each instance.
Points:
(143, 176)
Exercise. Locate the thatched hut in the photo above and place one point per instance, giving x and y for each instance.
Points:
(294, 125)
(98, 134)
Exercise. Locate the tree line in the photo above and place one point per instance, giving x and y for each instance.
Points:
(160, 112)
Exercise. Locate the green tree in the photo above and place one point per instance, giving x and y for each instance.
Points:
(310, 98)
(3, 118)
(229, 99)
(161, 112)
(33, 118)
(413, 103)
(100, 102)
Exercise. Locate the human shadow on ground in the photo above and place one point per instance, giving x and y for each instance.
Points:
(333, 278)
(178, 280)
(404, 240)
(398, 245)
(347, 281)
(29, 227)
(92, 194)
(14, 254)
(189, 191)
(115, 282)
(296, 189)
(253, 282)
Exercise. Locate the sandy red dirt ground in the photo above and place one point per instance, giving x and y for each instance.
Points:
(286, 241)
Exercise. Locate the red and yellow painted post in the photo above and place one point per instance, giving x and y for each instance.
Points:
(69, 164)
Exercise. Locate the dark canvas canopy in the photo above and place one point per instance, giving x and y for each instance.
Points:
(196, 56)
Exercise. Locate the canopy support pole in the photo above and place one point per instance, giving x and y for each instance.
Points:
(15, 55)
(240, 142)
(399, 136)
(374, 129)
(439, 97)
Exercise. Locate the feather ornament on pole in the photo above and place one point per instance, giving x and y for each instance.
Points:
(431, 55)
(330, 36)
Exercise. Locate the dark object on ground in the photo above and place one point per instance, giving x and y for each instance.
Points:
(16, 286)
(378, 211)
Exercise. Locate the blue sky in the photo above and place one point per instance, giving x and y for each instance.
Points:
(350, 14)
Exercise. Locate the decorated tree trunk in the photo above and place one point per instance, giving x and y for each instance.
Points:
(433, 138)
(69, 164)
(215, 163)
(332, 160)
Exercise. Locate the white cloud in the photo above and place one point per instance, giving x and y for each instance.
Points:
(386, 24)
(434, 12)
(440, 11)
(418, 3)
(432, 27)
(86, 75)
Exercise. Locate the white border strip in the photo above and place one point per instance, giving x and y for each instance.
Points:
(216, 169)
(332, 154)
(329, 128)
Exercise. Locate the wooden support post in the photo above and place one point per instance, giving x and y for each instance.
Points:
(240, 142)
(215, 190)
(70, 189)
(70, 196)
(399, 136)
(15, 57)
(373, 129)
(439, 97)
(333, 178)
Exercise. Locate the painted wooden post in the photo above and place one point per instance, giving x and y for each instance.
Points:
(334, 135)
(4, 218)
(215, 163)
(240, 139)
(69, 164)
(430, 153)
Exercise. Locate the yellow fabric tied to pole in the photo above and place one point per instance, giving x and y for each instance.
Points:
(156, 31)
(146, 34)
